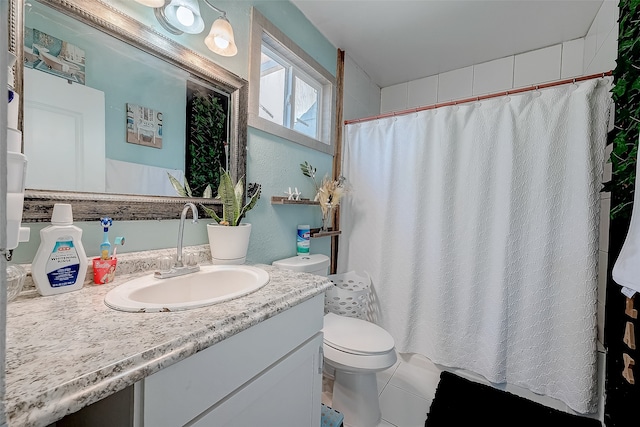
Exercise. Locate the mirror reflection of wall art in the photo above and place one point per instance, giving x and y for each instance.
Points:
(144, 126)
(52, 55)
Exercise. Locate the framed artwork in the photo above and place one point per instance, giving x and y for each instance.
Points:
(54, 56)
(144, 126)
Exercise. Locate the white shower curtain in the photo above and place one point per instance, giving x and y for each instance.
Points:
(479, 227)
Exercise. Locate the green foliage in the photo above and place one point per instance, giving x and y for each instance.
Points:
(232, 197)
(626, 95)
(206, 144)
(310, 171)
(185, 191)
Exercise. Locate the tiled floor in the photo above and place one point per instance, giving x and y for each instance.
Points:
(407, 388)
(406, 391)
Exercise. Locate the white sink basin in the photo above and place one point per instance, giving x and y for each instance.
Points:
(211, 285)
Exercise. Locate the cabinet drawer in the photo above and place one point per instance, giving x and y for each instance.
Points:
(180, 392)
(287, 394)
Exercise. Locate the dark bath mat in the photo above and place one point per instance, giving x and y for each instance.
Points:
(459, 401)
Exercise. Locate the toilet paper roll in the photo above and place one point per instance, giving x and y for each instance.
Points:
(14, 140)
(16, 172)
(15, 203)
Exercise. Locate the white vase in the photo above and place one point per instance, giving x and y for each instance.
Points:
(228, 244)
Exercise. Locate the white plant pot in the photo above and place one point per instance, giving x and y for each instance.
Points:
(228, 244)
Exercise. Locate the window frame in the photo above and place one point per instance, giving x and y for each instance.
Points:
(304, 66)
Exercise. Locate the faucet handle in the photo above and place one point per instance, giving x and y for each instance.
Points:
(190, 258)
(164, 263)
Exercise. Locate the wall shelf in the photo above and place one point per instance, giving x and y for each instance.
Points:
(282, 200)
(315, 233)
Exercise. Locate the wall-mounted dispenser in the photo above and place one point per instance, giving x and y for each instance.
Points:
(16, 171)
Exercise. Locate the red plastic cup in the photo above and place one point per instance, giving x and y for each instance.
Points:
(104, 270)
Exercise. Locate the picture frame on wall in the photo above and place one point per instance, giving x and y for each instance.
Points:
(52, 55)
(144, 126)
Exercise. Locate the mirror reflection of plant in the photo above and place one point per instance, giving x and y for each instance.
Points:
(206, 147)
(185, 190)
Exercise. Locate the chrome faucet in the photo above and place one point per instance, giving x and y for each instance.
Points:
(179, 268)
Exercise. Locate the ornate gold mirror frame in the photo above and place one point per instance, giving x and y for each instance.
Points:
(38, 204)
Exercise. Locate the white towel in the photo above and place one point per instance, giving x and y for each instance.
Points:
(135, 178)
(626, 271)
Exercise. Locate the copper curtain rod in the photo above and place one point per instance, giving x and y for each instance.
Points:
(480, 98)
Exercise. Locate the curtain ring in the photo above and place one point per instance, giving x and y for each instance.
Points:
(574, 85)
(536, 92)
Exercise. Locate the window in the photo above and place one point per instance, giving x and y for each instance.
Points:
(291, 95)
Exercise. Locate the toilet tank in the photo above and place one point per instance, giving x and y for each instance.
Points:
(314, 264)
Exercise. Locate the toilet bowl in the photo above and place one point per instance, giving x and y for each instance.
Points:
(354, 351)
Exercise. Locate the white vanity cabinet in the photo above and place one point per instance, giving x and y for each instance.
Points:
(269, 375)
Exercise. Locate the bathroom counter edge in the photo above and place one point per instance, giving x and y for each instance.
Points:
(67, 351)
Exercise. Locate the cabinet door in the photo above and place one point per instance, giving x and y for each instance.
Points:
(286, 395)
(178, 394)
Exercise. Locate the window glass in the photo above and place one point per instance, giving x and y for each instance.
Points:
(273, 80)
(290, 94)
(306, 108)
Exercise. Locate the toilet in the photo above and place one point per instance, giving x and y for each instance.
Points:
(354, 351)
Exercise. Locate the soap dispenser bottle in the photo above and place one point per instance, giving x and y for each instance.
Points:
(60, 264)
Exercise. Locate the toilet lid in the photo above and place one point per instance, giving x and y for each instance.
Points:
(355, 336)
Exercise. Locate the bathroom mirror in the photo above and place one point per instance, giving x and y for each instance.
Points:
(170, 62)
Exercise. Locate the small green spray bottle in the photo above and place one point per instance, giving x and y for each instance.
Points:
(105, 246)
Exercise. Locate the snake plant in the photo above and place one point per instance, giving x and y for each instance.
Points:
(232, 197)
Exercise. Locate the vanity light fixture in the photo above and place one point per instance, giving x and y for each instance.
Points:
(220, 39)
(183, 16)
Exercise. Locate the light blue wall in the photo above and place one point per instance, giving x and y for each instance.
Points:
(272, 161)
(115, 69)
(276, 164)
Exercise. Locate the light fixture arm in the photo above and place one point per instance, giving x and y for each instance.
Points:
(183, 16)
(220, 11)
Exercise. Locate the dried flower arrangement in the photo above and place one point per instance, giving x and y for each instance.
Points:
(328, 192)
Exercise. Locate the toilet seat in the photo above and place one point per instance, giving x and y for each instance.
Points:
(356, 336)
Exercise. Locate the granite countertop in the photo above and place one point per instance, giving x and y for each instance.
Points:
(66, 351)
